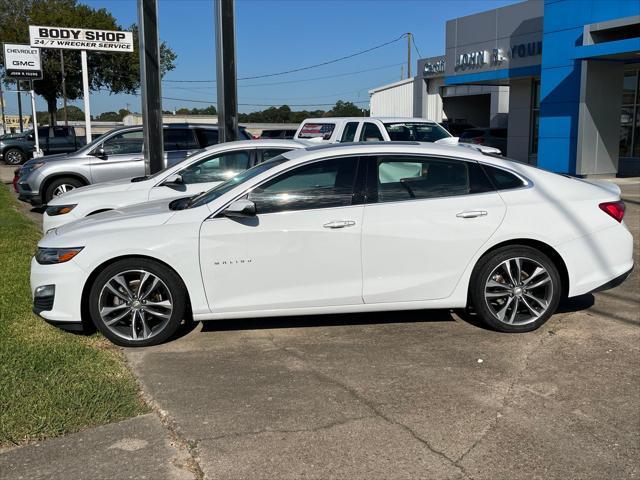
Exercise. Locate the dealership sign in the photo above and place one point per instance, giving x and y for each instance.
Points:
(22, 62)
(80, 39)
(497, 56)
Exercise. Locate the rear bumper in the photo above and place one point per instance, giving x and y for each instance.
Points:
(597, 260)
(613, 283)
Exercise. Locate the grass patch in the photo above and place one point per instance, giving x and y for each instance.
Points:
(51, 382)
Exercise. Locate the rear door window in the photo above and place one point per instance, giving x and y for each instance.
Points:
(502, 179)
(401, 178)
(268, 153)
(315, 130)
(371, 133)
(206, 136)
(349, 133)
(179, 139)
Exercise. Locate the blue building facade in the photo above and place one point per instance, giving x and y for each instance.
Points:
(572, 68)
(584, 34)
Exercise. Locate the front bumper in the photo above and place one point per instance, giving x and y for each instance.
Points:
(26, 194)
(69, 280)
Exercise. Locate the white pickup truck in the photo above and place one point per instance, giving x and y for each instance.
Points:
(377, 129)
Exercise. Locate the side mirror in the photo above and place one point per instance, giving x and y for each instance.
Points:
(242, 208)
(173, 180)
(100, 153)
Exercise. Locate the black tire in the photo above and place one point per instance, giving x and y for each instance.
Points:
(120, 332)
(70, 182)
(490, 267)
(14, 156)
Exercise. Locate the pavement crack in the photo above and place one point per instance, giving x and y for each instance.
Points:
(543, 339)
(370, 405)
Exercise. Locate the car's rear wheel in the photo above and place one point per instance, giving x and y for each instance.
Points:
(60, 186)
(137, 302)
(14, 156)
(515, 289)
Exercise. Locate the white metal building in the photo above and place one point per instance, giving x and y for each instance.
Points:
(393, 100)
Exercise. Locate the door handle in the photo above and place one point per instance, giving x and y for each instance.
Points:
(339, 224)
(472, 214)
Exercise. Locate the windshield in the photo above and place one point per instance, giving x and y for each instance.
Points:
(415, 132)
(216, 192)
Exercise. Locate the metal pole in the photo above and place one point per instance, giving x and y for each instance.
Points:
(150, 85)
(226, 70)
(38, 152)
(64, 88)
(85, 94)
(19, 107)
(4, 120)
(409, 36)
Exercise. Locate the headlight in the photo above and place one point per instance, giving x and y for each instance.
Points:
(50, 256)
(54, 210)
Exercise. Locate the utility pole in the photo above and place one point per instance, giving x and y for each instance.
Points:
(150, 82)
(19, 106)
(226, 70)
(401, 72)
(409, 39)
(64, 89)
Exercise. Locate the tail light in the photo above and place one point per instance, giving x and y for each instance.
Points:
(614, 209)
(478, 140)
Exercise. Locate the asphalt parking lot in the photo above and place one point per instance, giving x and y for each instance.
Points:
(421, 394)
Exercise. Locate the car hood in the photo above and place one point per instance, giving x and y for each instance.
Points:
(81, 193)
(46, 159)
(134, 216)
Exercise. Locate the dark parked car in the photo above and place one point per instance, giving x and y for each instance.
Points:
(280, 133)
(456, 128)
(491, 137)
(16, 148)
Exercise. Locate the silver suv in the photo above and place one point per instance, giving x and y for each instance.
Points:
(115, 155)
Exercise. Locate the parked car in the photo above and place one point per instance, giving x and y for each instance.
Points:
(283, 133)
(113, 156)
(456, 128)
(197, 173)
(367, 129)
(333, 229)
(490, 137)
(16, 148)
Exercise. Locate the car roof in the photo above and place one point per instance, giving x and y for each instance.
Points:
(359, 119)
(262, 143)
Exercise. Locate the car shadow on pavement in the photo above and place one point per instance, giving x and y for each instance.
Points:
(369, 318)
(329, 320)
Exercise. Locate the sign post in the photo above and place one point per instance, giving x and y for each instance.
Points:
(82, 39)
(37, 152)
(22, 62)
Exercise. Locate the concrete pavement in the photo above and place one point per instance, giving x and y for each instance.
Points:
(388, 395)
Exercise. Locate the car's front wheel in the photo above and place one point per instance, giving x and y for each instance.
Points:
(60, 186)
(515, 289)
(137, 302)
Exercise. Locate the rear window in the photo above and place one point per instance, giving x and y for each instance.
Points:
(501, 179)
(179, 139)
(315, 130)
(415, 132)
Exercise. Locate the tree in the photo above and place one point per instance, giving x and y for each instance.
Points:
(344, 109)
(116, 72)
(74, 114)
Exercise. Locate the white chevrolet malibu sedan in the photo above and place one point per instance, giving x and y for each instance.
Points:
(339, 229)
(197, 173)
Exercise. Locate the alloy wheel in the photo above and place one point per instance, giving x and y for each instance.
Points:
(518, 291)
(62, 188)
(13, 157)
(135, 305)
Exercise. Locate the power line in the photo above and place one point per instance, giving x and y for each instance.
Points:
(413, 40)
(312, 79)
(294, 70)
